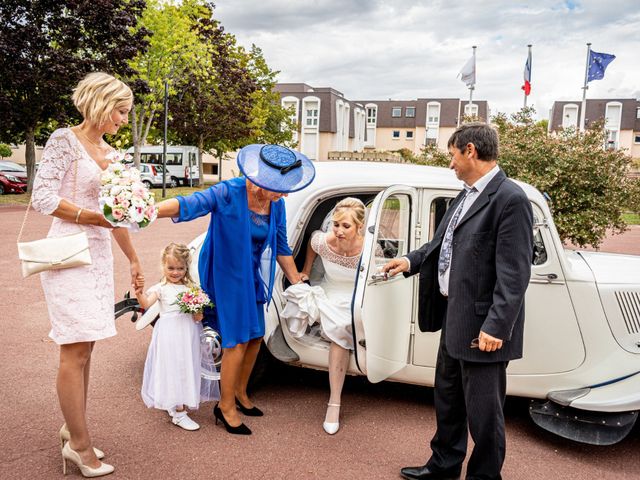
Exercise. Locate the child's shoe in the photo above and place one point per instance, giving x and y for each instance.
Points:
(182, 420)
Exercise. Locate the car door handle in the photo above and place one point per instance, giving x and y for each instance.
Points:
(548, 276)
(379, 277)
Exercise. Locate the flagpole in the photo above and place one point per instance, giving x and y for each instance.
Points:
(583, 109)
(471, 87)
(528, 57)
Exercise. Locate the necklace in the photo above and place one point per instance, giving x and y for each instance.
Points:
(102, 147)
(262, 206)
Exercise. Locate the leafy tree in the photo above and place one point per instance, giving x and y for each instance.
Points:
(588, 185)
(47, 46)
(230, 104)
(5, 150)
(175, 49)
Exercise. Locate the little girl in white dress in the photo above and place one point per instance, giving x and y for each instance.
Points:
(172, 371)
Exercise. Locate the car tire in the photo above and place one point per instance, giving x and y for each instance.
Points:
(173, 183)
(147, 184)
(265, 365)
(1, 189)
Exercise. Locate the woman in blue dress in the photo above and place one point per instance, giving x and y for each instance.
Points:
(247, 235)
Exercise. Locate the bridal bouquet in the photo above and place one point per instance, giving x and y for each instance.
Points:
(193, 300)
(124, 199)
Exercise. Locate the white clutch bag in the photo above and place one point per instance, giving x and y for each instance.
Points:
(54, 253)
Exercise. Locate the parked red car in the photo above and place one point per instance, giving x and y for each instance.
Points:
(12, 184)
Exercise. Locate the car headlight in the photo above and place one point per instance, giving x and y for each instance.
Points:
(11, 178)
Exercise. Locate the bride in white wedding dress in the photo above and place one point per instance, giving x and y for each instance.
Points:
(329, 302)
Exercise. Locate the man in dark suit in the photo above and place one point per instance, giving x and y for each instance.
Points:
(473, 278)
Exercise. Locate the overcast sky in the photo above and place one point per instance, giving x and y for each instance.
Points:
(402, 49)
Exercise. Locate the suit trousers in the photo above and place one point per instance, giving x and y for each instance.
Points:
(469, 397)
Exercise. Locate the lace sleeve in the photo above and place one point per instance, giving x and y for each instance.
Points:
(57, 158)
(316, 240)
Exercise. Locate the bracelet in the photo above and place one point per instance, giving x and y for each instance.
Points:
(78, 214)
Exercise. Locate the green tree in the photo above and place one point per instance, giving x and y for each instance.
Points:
(588, 186)
(5, 150)
(46, 47)
(175, 50)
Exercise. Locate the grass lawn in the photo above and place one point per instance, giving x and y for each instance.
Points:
(631, 218)
(23, 198)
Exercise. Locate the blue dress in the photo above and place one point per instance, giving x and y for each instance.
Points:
(237, 262)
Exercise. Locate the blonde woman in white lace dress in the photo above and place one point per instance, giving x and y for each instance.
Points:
(80, 300)
(339, 249)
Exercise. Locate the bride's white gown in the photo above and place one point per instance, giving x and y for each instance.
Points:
(329, 302)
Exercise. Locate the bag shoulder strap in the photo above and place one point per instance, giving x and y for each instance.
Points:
(26, 213)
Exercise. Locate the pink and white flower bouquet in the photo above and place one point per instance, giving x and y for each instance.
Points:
(193, 300)
(124, 199)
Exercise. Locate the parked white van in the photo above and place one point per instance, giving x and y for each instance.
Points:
(182, 161)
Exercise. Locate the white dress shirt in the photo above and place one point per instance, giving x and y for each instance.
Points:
(472, 196)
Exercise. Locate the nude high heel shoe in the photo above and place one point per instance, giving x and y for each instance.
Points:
(329, 427)
(85, 470)
(65, 436)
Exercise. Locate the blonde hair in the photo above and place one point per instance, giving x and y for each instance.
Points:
(350, 205)
(98, 94)
(181, 252)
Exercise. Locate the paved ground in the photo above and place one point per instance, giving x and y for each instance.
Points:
(384, 426)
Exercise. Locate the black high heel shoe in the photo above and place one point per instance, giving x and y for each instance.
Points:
(249, 412)
(241, 429)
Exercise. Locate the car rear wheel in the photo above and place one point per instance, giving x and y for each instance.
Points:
(1, 189)
(147, 184)
(173, 183)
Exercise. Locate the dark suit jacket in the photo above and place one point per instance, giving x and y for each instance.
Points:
(489, 274)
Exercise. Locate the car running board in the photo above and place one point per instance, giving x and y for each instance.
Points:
(593, 428)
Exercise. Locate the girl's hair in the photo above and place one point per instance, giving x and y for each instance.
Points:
(181, 252)
(350, 205)
(98, 94)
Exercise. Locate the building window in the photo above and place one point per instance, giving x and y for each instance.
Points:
(312, 117)
(396, 112)
(570, 116)
(410, 112)
(636, 138)
(409, 134)
(638, 112)
(395, 134)
(433, 113)
(471, 110)
(372, 113)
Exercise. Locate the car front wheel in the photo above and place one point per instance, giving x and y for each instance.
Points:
(1, 189)
(147, 184)
(173, 183)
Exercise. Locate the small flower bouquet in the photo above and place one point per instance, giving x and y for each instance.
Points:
(124, 199)
(193, 300)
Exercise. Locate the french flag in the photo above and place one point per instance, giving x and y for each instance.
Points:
(527, 76)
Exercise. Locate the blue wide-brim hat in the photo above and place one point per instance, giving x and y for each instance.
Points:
(276, 168)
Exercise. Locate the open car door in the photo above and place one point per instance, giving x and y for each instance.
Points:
(382, 309)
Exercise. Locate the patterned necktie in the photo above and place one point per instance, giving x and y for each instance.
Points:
(447, 241)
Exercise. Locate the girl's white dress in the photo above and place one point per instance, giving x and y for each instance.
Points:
(329, 302)
(172, 371)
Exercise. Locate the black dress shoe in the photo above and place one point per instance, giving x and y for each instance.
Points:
(241, 429)
(249, 412)
(424, 473)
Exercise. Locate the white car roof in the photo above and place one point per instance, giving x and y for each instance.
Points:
(331, 174)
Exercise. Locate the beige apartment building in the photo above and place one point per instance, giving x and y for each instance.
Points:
(621, 117)
(328, 122)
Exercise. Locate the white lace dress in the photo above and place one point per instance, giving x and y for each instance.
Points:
(172, 375)
(80, 300)
(329, 302)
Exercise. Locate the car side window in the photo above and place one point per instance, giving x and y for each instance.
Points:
(540, 255)
(436, 214)
(393, 228)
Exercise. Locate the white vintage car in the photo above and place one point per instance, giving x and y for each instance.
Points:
(581, 364)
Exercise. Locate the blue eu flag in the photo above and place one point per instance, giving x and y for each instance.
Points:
(598, 63)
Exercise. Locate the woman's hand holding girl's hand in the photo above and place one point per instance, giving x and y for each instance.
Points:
(197, 317)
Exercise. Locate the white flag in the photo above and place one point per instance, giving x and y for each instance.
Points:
(468, 72)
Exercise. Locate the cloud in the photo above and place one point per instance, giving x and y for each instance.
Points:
(408, 49)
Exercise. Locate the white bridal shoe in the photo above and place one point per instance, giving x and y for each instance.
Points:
(329, 427)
